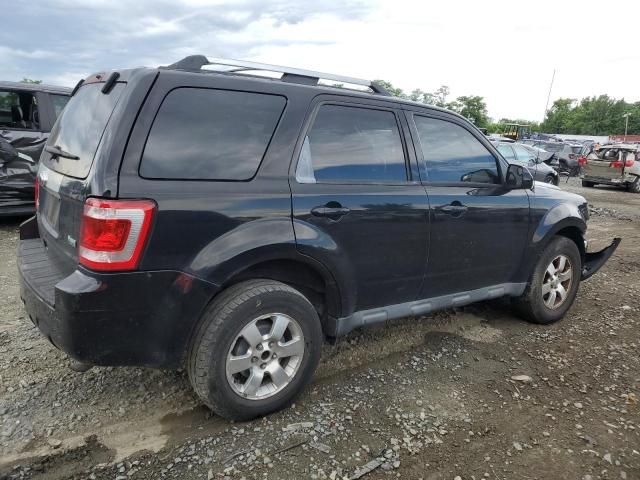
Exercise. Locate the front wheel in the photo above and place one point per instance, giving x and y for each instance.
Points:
(634, 187)
(554, 283)
(256, 349)
(551, 179)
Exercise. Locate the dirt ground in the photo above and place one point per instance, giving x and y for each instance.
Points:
(471, 393)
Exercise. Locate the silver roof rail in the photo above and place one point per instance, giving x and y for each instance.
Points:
(295, 75)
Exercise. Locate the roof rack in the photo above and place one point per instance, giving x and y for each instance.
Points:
(289, 74)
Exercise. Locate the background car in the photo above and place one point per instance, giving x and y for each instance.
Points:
(613, 165)
(530, 157)
(27, 114)
(567, 153)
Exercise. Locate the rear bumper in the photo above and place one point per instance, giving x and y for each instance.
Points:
(594, 261)
(132, 318)
(608, 180)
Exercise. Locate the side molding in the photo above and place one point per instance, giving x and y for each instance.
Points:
(421, 307)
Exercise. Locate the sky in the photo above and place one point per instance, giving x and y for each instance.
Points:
(504, 51)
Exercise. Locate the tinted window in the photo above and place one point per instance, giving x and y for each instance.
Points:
(80, 126)
(576, 149)
(452, 154)
(351, 144)
(205, 134)
(506, 151)
(59, 102)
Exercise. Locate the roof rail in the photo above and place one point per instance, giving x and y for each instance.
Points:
(294, 75)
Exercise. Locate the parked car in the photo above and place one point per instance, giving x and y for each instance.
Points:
(228, 224)
(613, 165)
(531, 158)
(567, 153)
(27, 113)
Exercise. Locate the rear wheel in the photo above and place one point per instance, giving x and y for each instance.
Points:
(634, 187)
(587, 184)
(256, 349)
(550, 179)
(553, 284)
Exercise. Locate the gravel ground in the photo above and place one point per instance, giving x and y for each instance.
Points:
(471, 393)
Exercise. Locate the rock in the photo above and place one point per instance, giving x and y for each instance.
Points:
(517, 446)
(292, 427)
(577, 405)
(522, 378)
(607, 458)
(457, 477)
(54, 443)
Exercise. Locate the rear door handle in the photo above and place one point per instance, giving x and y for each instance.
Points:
(330, 212)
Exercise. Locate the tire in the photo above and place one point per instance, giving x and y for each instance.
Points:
(634, 187)
(587, 184)
(550, 179)
(532, 305)
(250, 307)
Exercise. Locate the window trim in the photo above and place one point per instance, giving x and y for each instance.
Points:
(353, 104)
(501, 164)
(190, 87)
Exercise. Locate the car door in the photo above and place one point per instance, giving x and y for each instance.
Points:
(478, 227)
(358, 206)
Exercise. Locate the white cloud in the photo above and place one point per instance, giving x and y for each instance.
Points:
(504, 51)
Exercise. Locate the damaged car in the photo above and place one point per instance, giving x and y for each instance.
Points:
(617, 165)
(228, 222)
(27, 114)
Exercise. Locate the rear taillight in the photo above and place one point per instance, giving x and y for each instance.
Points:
(582, 160)
(114, 232)
(37, 194)
(628, 163)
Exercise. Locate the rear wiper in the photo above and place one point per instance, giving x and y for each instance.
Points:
(58, 152)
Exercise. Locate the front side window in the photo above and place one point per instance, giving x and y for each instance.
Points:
(207, 134)
(507, 152)
(453, 155)
(352, 145)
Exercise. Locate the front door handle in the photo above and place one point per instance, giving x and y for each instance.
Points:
(333, 213)
(454, 209)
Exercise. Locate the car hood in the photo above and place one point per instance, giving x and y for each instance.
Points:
(553, 192)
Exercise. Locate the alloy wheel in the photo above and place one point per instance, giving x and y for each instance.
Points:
(557, 281)
(265, 356)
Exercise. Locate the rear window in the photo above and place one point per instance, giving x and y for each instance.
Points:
(552, 147)
(577, 149)
(80, 126)
(207, 134)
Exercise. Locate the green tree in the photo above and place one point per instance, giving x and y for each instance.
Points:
(473, 108)
(29, 80)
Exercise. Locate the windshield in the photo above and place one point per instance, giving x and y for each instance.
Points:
(80, 127)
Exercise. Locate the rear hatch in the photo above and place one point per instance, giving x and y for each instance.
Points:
(607, 164)
(64, 176)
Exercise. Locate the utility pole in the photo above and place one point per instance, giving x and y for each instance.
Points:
(546, 108)
(626, 125)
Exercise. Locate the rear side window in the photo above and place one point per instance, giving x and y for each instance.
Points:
(207, 134)
(58, 102)
(452, 154)
(80, 126)
(352, 145)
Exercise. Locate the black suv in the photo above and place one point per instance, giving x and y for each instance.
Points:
(27, 113)
(229, 223)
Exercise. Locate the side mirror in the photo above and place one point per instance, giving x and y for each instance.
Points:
(519, 178)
